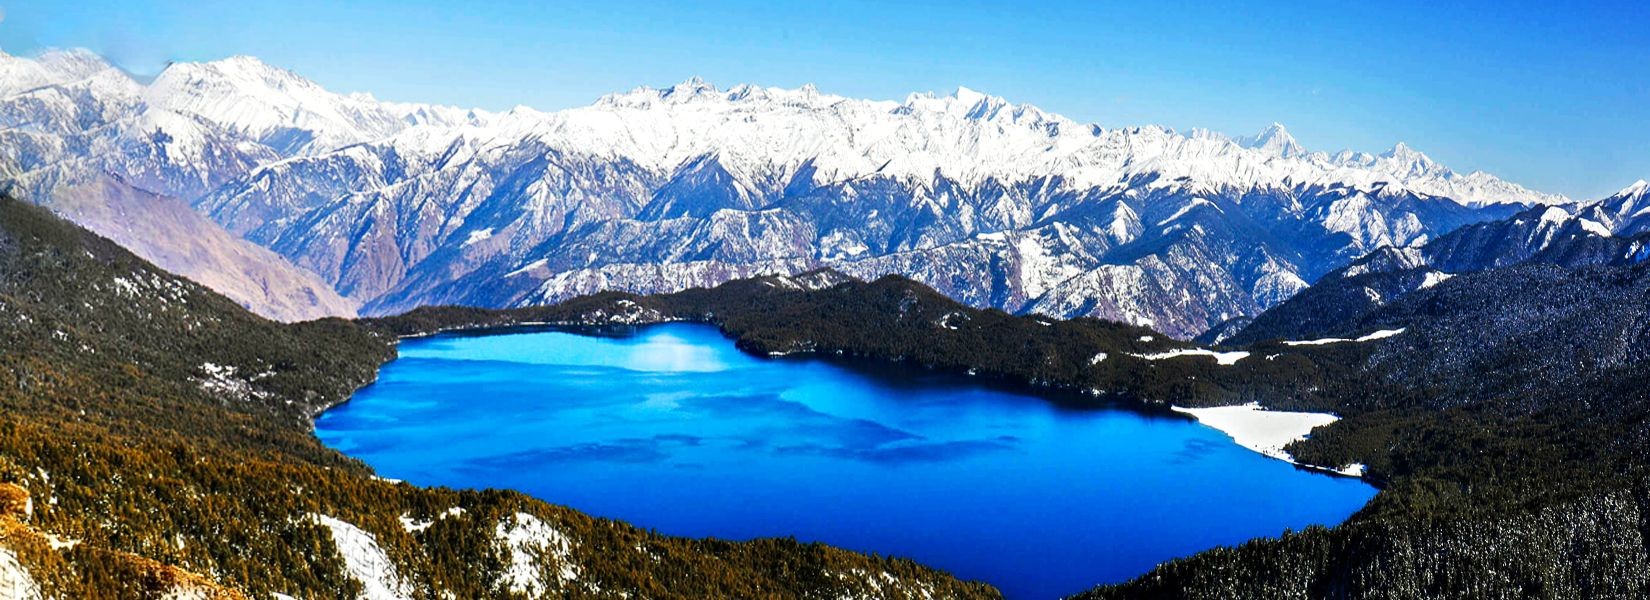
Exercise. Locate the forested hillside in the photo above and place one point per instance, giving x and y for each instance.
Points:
(1538, 236)
(155, 442)
(1509, 420)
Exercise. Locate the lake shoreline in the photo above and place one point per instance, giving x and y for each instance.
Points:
(654, 423)
(1249, 425)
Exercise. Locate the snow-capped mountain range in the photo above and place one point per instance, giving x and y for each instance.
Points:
(1611, 232)
(995, 203)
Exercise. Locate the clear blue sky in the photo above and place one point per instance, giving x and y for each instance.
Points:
(1557, 98)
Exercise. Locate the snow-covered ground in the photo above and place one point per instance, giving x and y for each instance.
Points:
(15, 581)
(415, 525)
(1266, 431)
(365, 561)
(1224, 358)
(1382, 334)
(532, 542)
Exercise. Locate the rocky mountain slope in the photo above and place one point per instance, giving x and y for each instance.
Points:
(993, 203)
(77, 135)
(155, 443)
(1600, 233)
(168, 233)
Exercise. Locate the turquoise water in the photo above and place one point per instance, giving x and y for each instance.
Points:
(670, 427)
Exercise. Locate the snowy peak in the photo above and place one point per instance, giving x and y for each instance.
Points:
(978, 106)
(1412, 170)
(1636, 190)
(274, 106)
(1274, 140)
(1626, 212)
(698, 94)
(971, 105)
(973, 137)
(966, 135)
(1408, 161)
(53, 67)
(689, 90)
(283, 110)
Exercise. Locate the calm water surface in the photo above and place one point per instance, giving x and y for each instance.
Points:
(672, 428)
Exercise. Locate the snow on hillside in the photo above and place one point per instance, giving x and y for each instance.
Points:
(1221, 358)
(1378, 335)
(15, 581)
(531, 543)
(365, 561)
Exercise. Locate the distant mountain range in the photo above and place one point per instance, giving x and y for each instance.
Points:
(1609, 232)
(390, 206)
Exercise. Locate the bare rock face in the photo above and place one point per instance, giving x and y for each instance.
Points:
(165, 231)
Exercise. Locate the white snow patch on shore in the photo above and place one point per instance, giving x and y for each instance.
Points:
(1266, 431)
(364, 561)
(1097, 359)
(1224, 358)
(531, 543)
(1379, 335)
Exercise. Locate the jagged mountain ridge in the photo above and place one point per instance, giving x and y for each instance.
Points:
(995, 203)
(1607, 232)
(79, 138)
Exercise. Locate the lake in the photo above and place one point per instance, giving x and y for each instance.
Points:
(672, 428)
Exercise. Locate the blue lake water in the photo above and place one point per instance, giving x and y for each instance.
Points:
(670, 427)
